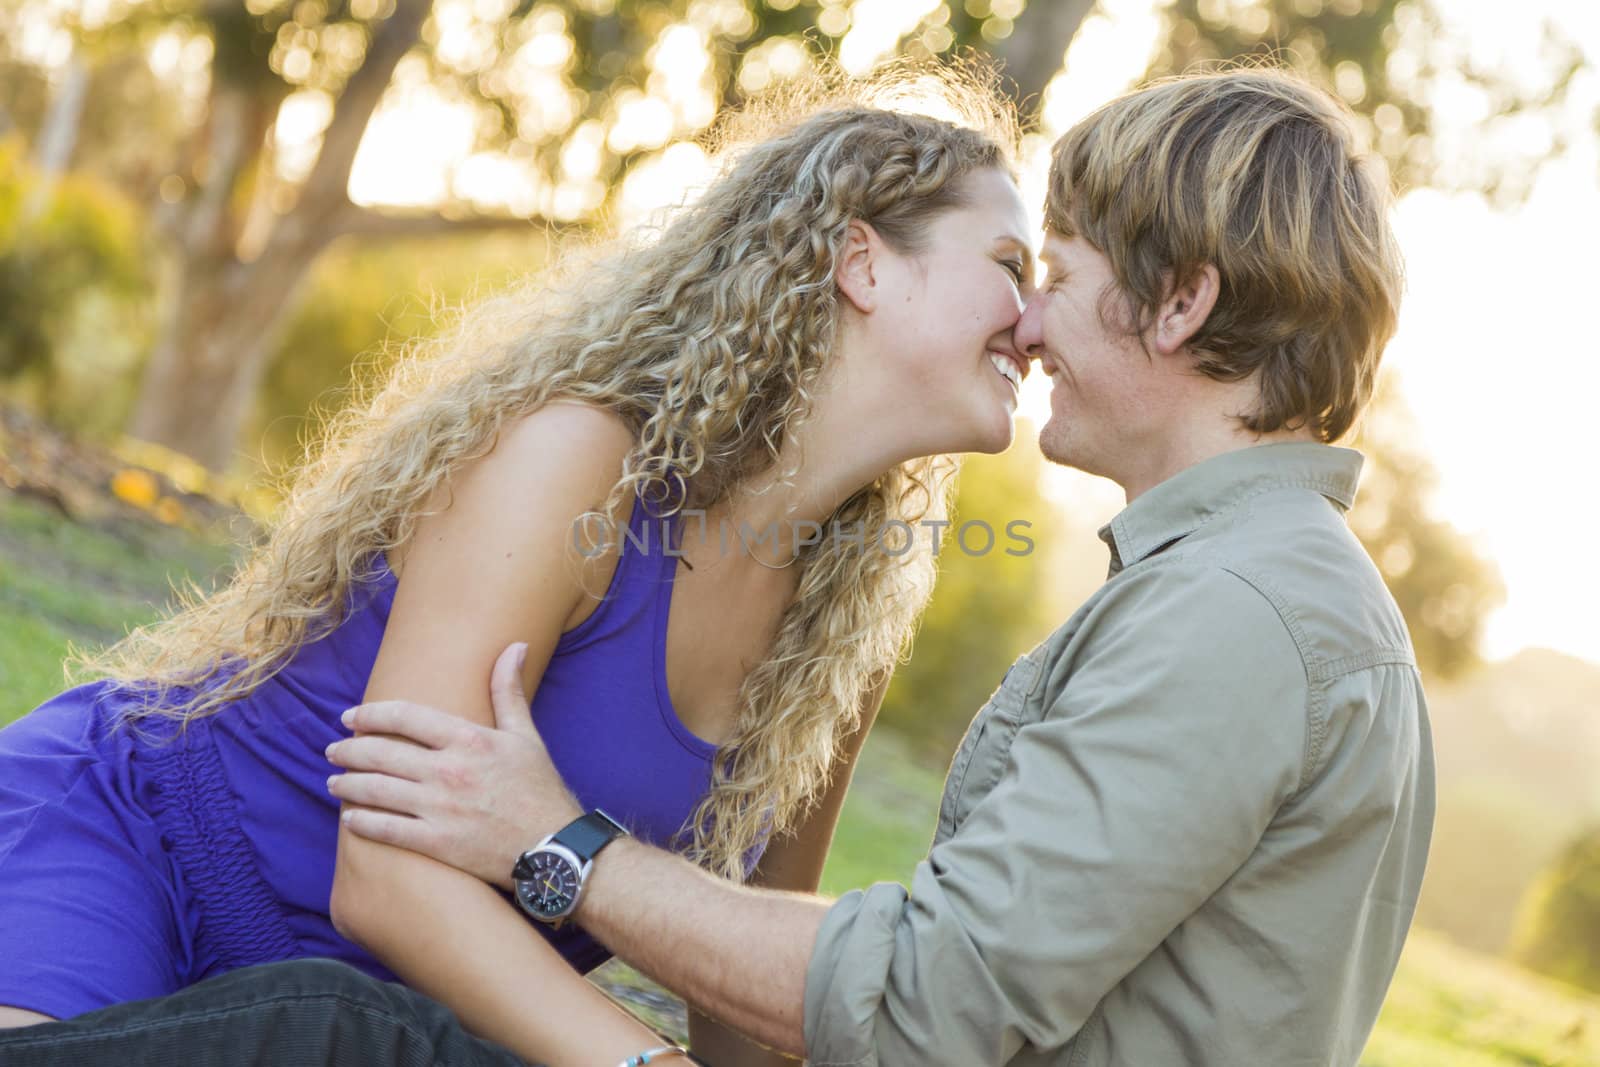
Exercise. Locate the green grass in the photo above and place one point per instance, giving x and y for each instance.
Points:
(63, 583)
(1450, 1007)
(888, 818)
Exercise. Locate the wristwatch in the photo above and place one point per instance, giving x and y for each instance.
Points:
(549, 876)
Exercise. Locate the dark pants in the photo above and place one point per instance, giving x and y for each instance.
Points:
(301, 1013)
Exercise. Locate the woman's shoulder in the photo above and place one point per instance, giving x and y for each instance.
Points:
(545, 468)
(584, 430)
(565, 452)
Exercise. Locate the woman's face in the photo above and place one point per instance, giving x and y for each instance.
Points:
(949, 333)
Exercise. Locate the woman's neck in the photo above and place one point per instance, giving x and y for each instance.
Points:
(847, 443)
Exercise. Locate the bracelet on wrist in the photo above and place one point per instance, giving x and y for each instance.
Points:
(651, 1055)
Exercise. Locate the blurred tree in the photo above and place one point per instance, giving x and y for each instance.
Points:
(1001, 589)
(59, 250)
(1558, 930)
(58, 133)
(1445, 586)
(1390, 60)
(576, 99)
(48, 79)
(363, 305)
(571, 97)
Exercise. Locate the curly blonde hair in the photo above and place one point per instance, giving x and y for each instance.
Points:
(708, 342)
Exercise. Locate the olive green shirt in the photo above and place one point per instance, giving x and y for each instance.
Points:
(1189, 828)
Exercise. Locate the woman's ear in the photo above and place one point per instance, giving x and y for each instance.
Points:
(1186, 309)
(856, 270)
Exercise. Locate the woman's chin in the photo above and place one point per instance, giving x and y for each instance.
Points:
(998, 437)
(990, 434)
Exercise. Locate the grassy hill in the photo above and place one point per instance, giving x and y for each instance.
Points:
(67, 581)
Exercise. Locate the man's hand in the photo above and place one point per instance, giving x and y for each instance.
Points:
(473, 797)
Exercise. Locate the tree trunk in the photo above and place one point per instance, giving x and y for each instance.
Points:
(223, 313)
(1037, 48)
(216, 341)
(214, 345)
(58, 136)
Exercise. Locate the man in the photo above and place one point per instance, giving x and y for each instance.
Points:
(1190, 827)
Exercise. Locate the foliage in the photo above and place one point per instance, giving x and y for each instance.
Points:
(64, 252)
(364, 303)
(1390, 60)
(989, 607)
(541, 78)
(1445, 586)
(1558, 931)
(576, 102)
(126, 155)
(557, 103)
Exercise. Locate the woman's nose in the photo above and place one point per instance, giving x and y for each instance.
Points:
(1026, 334)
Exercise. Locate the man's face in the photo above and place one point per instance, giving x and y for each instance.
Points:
(1106, 403)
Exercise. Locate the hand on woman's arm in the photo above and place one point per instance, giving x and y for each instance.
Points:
(490, 567)
(735, 953)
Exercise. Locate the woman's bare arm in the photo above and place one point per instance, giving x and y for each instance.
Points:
(493, 566)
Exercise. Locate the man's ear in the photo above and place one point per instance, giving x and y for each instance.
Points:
(856, 270)
(1186, 309)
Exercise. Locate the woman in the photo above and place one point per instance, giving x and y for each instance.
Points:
(794, 352)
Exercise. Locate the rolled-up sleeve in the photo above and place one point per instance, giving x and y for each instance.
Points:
(1174, 722)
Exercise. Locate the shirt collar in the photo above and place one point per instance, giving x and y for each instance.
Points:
(1191, 498)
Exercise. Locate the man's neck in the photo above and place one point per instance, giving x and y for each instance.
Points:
(1187, 450)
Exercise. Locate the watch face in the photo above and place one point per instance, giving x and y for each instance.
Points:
(547, 884)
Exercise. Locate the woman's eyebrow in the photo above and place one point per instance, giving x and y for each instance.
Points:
(1023, 248)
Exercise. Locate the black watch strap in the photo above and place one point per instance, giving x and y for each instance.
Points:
(588, 834)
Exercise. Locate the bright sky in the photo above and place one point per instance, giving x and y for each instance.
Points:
(1499, 369)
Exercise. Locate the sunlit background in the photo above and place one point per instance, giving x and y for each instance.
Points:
(210, 214)
(1493, 355)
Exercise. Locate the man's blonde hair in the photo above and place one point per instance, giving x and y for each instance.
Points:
(1256, 172)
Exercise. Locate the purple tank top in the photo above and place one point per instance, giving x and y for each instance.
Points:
(249, 819)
